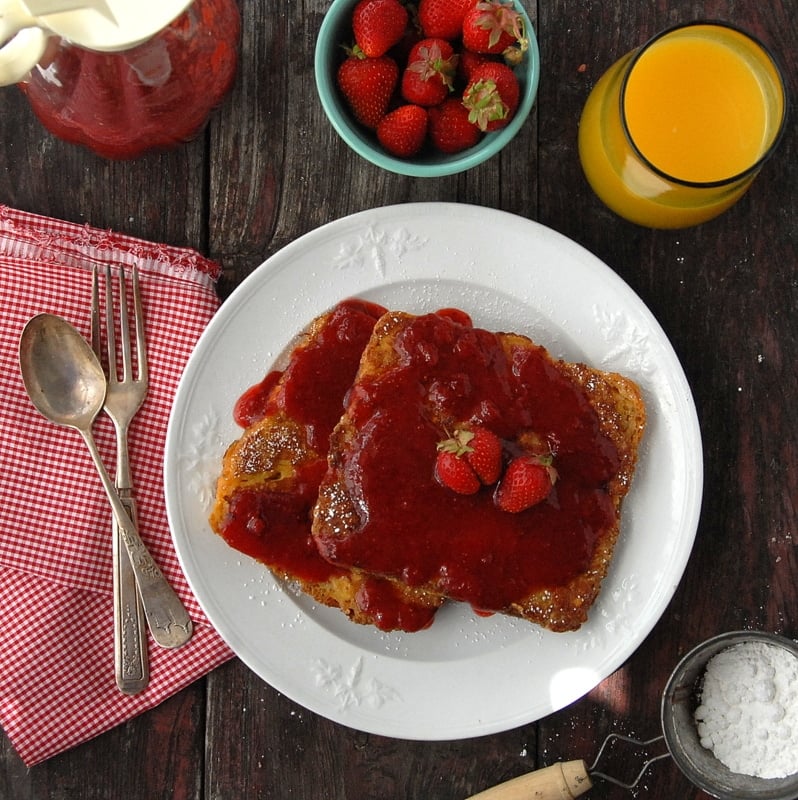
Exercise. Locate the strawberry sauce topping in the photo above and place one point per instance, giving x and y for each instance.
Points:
(252, 405)
(418, 530)
(274, 528)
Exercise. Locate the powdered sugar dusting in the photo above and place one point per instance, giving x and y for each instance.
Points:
(748, 714)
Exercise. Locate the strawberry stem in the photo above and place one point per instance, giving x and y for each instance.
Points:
(457, 444)
(484, 104)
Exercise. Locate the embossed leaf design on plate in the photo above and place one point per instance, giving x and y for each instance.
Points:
(201, 458)
(629, 344)
(350, 687)
(377, 246)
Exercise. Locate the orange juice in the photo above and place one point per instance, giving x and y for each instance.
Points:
(674, 133)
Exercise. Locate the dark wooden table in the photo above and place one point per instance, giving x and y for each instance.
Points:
(268, 169)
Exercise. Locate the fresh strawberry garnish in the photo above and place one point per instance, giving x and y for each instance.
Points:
(454, 472)
(527, 481)
(368, 85)
(378, 25)
(479, 448)
(491, 96)
(493, 26)
(428, 77)
(402, 131)
(485, 457)
(443, 18)
(450, 130)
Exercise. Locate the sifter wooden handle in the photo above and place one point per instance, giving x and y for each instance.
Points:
(564, 781)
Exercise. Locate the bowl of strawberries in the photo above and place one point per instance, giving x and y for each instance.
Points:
(430, 88)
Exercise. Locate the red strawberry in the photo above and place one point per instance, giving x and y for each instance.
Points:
(526, 482)
(455, 473)
(449, 128)
(402, 131)
(469, 61)
(431, 66)
(492, 26)
(443, 18)
(378, 25)
(480, 448)
(401, 50)
(368, 84)
(491, 96)
(485, 457)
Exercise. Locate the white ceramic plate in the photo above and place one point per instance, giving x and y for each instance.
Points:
(465, 676)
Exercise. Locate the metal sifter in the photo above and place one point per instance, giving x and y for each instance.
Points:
(569, 780)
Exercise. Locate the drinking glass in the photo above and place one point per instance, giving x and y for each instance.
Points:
(675, 132)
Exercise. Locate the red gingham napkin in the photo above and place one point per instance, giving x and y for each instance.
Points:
(57, 684)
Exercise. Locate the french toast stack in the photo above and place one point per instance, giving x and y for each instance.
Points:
(388, 542)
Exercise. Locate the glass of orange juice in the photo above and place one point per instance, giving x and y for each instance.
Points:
(675, 132)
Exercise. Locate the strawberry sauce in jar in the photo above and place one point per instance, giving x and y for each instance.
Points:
(154, 96)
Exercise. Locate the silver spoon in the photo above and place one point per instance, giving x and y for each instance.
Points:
(66, 383)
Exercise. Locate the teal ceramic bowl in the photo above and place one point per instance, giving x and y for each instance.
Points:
(336, 30)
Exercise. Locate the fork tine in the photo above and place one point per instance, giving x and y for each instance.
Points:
(124, 324)
(141, 341)
(96, 343)
(110, 334)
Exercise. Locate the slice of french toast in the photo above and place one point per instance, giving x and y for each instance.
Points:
(270, 476)
(382, 510)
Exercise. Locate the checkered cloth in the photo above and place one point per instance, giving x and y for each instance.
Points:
(57, 685)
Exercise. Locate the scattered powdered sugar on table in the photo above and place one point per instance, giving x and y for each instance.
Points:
(748, 712)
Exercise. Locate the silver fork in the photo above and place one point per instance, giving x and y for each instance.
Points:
(167, 618)
(122, 400)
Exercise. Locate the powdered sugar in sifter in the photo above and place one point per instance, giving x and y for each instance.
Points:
(569, 780)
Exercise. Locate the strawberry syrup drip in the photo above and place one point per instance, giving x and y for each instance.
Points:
(252, 406)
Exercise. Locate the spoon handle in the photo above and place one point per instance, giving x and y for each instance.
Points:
(167, 618)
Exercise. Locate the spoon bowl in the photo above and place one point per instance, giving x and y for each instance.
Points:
(62, 375)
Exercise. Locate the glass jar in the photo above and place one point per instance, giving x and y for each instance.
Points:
(153, 96)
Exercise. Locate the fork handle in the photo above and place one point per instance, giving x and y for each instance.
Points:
(130, 632)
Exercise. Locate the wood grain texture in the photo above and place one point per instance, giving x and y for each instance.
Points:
(269, 168)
